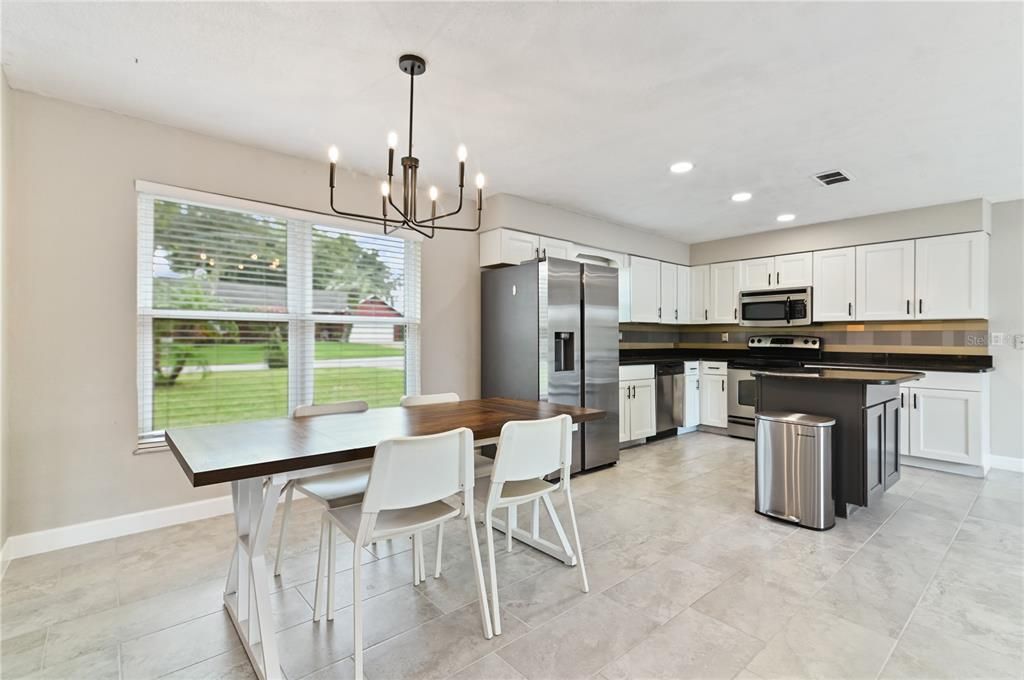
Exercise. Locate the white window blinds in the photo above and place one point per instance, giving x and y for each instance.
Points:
(247, 311)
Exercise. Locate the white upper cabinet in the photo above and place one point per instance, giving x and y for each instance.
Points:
(757, 274)
(644, 289)
(885, 281)
(682, 314)
(552, 247)
(725, 286)
(793, 270)
(700, 289)
(835, 285)
(782, 271)
(667, 309)
(506, 246)
(952, 277)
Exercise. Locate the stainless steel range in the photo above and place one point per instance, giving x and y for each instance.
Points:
(764, 351)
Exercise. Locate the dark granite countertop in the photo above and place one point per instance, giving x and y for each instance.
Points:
(841, 375)
(953, 363)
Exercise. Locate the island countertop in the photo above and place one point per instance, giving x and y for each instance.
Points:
(841, 375)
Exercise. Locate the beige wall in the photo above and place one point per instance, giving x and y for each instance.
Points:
(6, 133)
(514, 212)
(71, 311)
(1006, 306)
(949, 218)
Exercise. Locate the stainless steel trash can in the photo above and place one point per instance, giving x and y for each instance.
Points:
(794, 468)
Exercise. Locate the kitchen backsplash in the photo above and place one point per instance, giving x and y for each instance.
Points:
(920, 337)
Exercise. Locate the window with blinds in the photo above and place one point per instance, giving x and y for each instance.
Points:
(247, 311)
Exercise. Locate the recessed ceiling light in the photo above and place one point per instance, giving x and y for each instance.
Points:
(742, 196)
(681, 167)
(786, 217)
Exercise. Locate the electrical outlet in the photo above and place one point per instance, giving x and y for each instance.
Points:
(1018, 342)
(725, 337)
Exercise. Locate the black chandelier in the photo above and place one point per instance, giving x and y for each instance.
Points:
(407, 213)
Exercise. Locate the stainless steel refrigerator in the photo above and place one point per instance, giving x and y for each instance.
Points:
(550, 331)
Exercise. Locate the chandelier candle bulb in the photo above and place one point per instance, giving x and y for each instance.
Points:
(332, 153)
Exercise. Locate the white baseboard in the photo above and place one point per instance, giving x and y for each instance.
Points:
(36, 542)
(1007, 463)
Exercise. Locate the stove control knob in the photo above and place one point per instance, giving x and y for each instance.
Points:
(806, 341)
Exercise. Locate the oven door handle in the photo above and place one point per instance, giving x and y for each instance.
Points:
(787, 308)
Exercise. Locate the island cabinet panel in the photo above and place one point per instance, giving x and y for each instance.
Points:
(882, 445)
(891, 461)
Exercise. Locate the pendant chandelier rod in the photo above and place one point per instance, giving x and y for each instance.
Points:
(408, 212)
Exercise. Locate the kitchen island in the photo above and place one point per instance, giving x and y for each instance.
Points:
(865, 405)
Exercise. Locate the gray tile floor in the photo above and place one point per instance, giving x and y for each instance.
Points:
(686, 582)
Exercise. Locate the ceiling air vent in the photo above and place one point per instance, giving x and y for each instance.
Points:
(831, 177)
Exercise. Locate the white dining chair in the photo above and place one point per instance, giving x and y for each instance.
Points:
(410, 480)
(341, 487)
(481, 466)
(528, 451)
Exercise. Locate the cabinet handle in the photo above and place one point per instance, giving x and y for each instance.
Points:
(849, 309)
(723, 386)
(915, 400)
(677, 315)
(544, 253)
(920, 305)
(776, 278)
(659, 312)
(705, 315)
(698, 383)
(634, 391)
(908, 306)
(901, 400)
(769, 278)
(734, 313)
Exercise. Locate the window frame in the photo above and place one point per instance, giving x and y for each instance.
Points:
(299, 292)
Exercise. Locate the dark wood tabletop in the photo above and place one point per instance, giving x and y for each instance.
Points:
(212, 454)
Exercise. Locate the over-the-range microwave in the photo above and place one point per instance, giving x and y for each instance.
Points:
(775, 307)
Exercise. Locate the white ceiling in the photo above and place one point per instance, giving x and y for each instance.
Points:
(582, 106)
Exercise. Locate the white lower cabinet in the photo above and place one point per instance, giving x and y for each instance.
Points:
(691, 401)
(714, 393)
(636, 402)
(624, 390)
(904, 421)
(713, 402)
(946, 425)
(944, 422)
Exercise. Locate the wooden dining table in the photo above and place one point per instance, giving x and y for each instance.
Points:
(259, 458)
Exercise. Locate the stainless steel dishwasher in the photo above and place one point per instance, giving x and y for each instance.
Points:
(670, 387)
